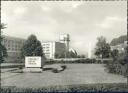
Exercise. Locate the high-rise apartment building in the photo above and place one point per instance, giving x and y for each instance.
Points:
(53, 48)
(65, 38)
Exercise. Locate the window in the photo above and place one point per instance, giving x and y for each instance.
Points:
(47, 53)
(47, 50)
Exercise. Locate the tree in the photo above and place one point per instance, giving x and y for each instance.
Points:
(3, 50)
(32, 47)
(115, 54)
(102, 48)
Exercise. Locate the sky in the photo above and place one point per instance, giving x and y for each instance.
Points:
(84, 21)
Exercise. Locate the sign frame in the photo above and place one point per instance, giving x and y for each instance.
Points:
(33, 62)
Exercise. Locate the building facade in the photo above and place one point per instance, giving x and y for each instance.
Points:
(13, 46)
(53, 48)
(65, 38)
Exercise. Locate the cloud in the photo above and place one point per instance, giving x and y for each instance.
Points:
(84, 21)
(109, 22)
(4, 18)
(76, 5)
(44, 8)
(19, 11)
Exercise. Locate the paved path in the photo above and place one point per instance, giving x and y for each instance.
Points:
(8, 64)
(8, 69)
(74, 74)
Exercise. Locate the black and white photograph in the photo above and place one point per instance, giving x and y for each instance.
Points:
(63, 46)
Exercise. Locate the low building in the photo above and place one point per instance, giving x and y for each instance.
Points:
(73, 51)
(120, 47)
(13, 46)
(53, 48)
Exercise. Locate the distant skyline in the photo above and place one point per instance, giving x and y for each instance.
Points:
(83, 20)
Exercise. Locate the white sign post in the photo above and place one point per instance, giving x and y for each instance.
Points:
(33, 64)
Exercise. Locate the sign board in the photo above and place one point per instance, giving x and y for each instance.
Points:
(33, 61)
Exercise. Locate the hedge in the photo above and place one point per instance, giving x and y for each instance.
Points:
(106, 87)
(118, 66)
(84, 61)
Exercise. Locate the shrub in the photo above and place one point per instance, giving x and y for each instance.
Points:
(55, 70)
(64, 67)
(114, 87)
(118, 66)
(84, 61)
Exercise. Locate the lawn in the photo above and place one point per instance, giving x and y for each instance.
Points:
(75, 74)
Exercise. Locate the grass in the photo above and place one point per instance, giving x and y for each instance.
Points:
(114, 87)
(75, 77)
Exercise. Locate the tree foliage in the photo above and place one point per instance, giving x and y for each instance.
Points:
(3, 50)
(115, 54)
(119, 64)
(102, 48)
(32, 47)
